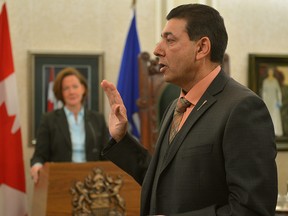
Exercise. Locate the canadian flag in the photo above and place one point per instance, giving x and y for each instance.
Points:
(51, 100)
(12, 178)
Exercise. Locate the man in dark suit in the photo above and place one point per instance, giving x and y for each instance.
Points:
(222, 159)
(72, 133)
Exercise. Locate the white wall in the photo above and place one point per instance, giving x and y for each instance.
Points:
(101, 26)
(254, 27)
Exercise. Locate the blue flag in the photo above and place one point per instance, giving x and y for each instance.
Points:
(128, 86)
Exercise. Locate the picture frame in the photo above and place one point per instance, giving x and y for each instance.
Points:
(268, 77)
(43, 64)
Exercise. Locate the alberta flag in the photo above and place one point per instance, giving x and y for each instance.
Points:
(12, 177)
(128, 86)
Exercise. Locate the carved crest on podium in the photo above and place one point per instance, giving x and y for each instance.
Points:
(98, 195)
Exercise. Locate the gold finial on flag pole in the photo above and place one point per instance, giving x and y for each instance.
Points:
(133, 3)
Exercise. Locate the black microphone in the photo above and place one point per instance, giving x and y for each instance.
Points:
(94, 136)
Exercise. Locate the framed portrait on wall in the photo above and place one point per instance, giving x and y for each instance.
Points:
(46, 66)
(268, 77)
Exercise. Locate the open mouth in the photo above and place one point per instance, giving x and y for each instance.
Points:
(162, 67)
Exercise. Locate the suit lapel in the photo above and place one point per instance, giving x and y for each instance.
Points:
(164, 128)
(200, 108)
(91, 131)
(148, 180)
(205, 102)
(63, 124)
(166, 122)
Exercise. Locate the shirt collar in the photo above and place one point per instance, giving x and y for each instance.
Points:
(196, 92)
(69, 113)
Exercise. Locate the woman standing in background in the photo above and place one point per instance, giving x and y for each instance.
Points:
(72, 133)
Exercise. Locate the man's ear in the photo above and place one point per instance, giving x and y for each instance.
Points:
(203, 48)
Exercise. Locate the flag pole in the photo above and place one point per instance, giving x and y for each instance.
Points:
(128, 81)
(133, 3)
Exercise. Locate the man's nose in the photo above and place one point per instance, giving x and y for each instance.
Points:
(158, 51)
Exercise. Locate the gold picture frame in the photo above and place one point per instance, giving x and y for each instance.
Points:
(90, 65)
(268, 77)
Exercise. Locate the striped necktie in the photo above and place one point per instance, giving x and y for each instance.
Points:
(182, 105)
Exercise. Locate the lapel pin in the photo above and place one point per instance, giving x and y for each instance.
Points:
(204, 102)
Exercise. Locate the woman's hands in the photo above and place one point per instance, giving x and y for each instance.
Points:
(34, 172)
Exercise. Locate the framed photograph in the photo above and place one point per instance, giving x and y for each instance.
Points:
(268, 77)
(45, 67)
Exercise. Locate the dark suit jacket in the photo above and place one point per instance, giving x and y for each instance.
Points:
(54, 142)
(222, 161)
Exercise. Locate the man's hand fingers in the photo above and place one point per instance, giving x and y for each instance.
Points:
(111, 92)
(120, 113)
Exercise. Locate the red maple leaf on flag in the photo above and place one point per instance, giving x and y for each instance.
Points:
(11, 152)
(12, 176)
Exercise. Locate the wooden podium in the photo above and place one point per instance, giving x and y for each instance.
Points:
(53, 197)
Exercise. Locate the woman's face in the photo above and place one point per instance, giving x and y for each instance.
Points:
(72, 91)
